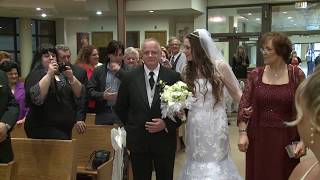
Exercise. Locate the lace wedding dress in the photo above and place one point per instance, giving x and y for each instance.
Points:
(207, 141)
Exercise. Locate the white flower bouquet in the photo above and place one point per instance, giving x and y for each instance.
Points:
(174, 99)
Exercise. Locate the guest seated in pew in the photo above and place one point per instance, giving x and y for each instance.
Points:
(9, 112)
(16, 86)
(51, 94)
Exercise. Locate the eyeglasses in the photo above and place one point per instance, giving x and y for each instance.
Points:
(265, 51)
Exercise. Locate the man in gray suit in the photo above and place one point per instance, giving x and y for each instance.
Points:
(178, 59)
(9, 112)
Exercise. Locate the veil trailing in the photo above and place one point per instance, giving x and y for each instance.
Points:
(208, 45)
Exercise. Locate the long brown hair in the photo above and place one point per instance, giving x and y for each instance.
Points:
(202, 65)
(84, 54)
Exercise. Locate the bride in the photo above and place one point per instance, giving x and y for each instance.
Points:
(207, 141)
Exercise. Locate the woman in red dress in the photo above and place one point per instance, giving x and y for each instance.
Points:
(268, 102)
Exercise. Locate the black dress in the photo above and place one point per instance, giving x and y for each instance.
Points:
(240, 66)
(54, 116)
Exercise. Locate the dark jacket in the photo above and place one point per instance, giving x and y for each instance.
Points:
(9, 112)
(133, 109)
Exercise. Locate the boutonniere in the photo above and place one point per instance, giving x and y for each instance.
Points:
(161, 84)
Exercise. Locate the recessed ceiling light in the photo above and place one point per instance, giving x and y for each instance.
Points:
(98, 12)
(44, 15)
(295, 24)
(151, 11)
(258, 19)
(284, 12)
(38, 9)
(291, 20)
(249, 14)
(0, 27)
(289, 17)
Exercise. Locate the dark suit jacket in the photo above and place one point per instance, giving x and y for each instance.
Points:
(81, 75)
(9, 112)
(133, 110)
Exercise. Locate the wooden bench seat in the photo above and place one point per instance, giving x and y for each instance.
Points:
(6, 171)
(43, 159)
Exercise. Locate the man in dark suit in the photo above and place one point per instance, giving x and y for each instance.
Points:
(150, 139)
(9, 112)
(104, 84)
(64, 56)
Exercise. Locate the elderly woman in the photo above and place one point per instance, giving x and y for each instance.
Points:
(131, 57)
(308, 120)
(267, 103)
(51, 94)
(16, 86)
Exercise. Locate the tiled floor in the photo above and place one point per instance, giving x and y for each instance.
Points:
(237, 156)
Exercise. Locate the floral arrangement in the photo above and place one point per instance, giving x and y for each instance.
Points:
(174, 98)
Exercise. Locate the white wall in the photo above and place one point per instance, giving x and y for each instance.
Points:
(90, 25)
(133, 23)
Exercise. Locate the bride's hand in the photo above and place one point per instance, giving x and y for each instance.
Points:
(181, 114)
(243, 142)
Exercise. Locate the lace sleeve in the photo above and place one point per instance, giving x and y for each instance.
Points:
(35, 95)
(246, 99)
(229, 79)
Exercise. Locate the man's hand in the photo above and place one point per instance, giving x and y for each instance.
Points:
(81, 127)
(114, 67)
(3, 132)
(155, 126)
(109, 95)
(21, 121)
(69, 74)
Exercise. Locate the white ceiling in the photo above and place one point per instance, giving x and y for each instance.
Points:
(84, 8)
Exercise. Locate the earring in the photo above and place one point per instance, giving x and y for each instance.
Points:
(312, 135)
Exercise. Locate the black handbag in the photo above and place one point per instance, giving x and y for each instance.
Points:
(97, 158)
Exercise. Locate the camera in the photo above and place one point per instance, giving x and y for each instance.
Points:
(62, 67)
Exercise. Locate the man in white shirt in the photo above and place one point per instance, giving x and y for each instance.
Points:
(178, 59)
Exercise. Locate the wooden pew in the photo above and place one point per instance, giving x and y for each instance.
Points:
(90, 119)
(6, 171)
(96, 137)
(39, 159)
(18, 132)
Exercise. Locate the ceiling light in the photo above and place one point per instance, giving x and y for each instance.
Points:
(44, 15)
(289, 17)
(217, 19)
(38, 9)
(295, 24)
(151, 11)
(284, 12)
(258, 19)
(291, 20)
(98, 12)
(301, 5)
(249, 14)
(0, 27)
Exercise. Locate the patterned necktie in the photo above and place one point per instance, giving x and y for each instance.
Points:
(151, 80)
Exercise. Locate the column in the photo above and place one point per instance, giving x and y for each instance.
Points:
(25, 45)
(121, 21)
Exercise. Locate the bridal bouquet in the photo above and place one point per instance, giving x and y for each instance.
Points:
(174, 98)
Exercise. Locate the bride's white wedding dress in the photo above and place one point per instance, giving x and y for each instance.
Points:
(207, 140)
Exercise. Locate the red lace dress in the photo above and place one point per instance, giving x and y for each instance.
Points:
(266, 158)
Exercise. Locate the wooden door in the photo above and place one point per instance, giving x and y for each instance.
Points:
(101, 39)
(161, 36)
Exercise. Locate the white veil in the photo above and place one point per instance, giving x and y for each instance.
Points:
(232, 87)
(209, 46)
